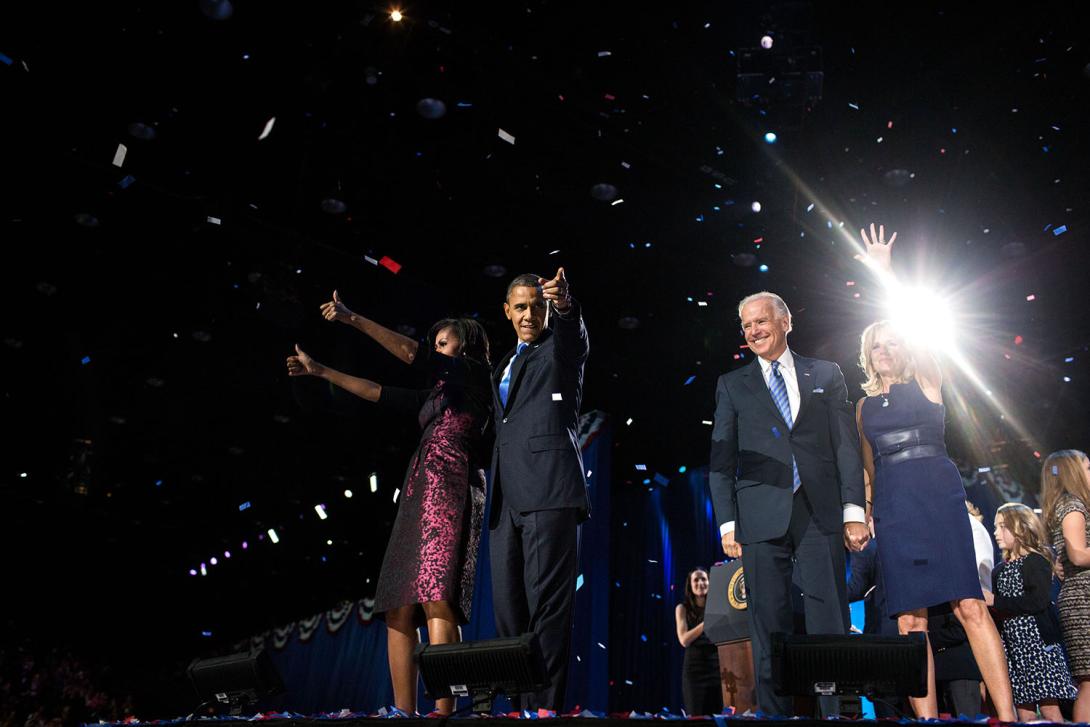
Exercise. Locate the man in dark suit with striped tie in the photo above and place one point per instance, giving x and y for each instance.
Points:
(787, 485)
(539, 492)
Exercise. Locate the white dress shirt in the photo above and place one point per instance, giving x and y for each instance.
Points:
(985, 555)
(852, 513)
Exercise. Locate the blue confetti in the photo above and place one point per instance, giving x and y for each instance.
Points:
(464, 105)
(643, 638)
(206, 634)
(85, 360)
(5, 60)
(700, 218)
(690, 380)
(776, 432)
(1069, 359)
(647, 482)
(158, 483)
(661, 480)
(1060, 230)
(763, 268)
(124, 183)
(579, 582)
(682, 469)
(244, 506)
(954, 130)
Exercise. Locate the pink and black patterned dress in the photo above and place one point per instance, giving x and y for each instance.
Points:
(432, 553)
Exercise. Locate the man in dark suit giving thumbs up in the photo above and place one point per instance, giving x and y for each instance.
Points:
(539, 492)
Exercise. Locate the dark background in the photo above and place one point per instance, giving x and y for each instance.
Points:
(121, 474)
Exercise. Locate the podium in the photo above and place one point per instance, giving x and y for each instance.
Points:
(726, 624)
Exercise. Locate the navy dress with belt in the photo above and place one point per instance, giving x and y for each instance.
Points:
(925, 542)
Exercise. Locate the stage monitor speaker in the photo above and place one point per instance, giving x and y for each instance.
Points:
(235, 681)
(725, 617)
(866, 665)
(482, 669)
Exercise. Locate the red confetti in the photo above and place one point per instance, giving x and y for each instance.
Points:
(1031, 297)
(889, 125)
(850, 283)
(390, 264)
(759, 240)
(1018, 340)
(610, 97)
(1036, 454)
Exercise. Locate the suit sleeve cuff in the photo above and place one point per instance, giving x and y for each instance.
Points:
(725, 528)
(854, 514)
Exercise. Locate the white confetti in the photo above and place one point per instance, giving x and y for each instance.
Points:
(370, 260)
(604, 53)
(119, 155)
(396, 493)
(214, 221)
(506, 137)
(268, 128)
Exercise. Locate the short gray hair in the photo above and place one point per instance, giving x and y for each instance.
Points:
(780, 307)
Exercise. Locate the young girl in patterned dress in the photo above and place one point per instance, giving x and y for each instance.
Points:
(1065, 491)
(1021, 589)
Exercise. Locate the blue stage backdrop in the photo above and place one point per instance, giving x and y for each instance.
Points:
(661, 531)
(337, 660)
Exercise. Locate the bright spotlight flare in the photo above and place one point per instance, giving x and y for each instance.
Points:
(924, 317)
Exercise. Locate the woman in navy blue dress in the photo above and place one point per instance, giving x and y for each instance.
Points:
(925, 542)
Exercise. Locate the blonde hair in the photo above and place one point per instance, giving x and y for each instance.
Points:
(1026, 528)
(1062, 473)
(778, 305)
(873, 385)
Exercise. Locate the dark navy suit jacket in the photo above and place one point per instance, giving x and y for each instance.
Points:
(536, 462)
(750, 475)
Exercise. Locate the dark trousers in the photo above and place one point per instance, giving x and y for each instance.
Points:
(816, 561)
(535, 560)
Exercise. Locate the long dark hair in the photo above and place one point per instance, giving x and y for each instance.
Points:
(693, 611)
(470, 332)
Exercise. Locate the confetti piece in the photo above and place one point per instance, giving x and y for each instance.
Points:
(661, 480)
(1031, 297)
(1069, 359)
(396, 493)
(268, 128)
(854, 106)
(1018, 340)
(601, 645)
(579, 582)
(390, 264)
(506, 137)
(616, 202)
(810, 208)
(1060, 230)
(626, 165)
(850, 283)
(370, 260)
(641, 467)
(216, 221)
(702, 303)
(128, 180)
(87, 359)
(554, 252)
(604, 53)
(119, 155)
(629, 422)
(1055, 470)
(643, 638)
(707, 422)
(689, 380)
(5, 60)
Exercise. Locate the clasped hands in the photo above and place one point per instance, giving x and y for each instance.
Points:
(856, 537)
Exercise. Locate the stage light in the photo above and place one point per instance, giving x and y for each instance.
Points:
(321, 512)
(770, 137)
(374, 482)
(396, 16)
(273, 536)
(921, 315)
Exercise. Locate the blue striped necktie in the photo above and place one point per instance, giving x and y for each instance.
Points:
(778, 387)
(505, 382)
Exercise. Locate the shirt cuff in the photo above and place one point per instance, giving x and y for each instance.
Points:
(854, 514)
(727, 527)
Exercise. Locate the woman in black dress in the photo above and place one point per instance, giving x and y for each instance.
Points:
(700, 687)
(427, 573)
